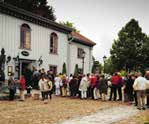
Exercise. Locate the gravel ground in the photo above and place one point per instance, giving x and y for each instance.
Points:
(105, 116)
(57, 110)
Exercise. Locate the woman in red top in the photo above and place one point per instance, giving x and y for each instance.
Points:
(22, 87)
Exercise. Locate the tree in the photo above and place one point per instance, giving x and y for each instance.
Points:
(39, 7)
(126, 51)
(109, 67)
(70, 25)
(145, 54)
(76, 71)
(64, 68)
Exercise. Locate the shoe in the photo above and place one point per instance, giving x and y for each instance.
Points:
(143, 108)
(139, 108)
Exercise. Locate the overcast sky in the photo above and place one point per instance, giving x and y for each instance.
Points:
(100, 20)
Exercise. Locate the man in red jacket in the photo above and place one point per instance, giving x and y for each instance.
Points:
(92, 85)
(114, 81)
(119, 86)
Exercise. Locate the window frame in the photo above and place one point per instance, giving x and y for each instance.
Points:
(54, 41)
(79, 53)
(24, 31)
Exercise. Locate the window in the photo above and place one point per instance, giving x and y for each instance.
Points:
(80, 51)
(53, 69)
(25, 37)
(53, 43)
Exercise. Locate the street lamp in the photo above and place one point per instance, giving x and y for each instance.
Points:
(83, 56)
(40, 61)
(104, 60)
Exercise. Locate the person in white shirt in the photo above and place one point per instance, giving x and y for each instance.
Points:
(83, 86)
(140, 87)
(44, 88)
(57, 85)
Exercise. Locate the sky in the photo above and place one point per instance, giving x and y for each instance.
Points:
(101, 20)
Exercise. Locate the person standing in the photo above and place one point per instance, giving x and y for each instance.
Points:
(11, 87)
(64, 86)
(57, 85)
(96, 89)
(128, 90)
(73, 85)
(92, 86)
(84, 86)
(119, 86)
(140, 87)
(103, 87)
(44, 88)
(50, 85)
(22, 87)
(114, 82)
(147, 90)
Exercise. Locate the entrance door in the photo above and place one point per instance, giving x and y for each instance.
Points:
(25, 66)
(26, 70)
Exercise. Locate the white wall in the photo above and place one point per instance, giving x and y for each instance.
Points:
(75, 60)
(40, 37)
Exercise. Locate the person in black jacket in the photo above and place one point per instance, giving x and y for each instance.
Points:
(11, 87)
(73, 84)
(103, 87)
(129, 87)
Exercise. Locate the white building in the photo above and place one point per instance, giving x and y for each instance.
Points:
(33, 41)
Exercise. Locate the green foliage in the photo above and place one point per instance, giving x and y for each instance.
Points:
(64, 68)
(126, 52)
(123, 73)
(109, 67)
(70, 25)
(76, 71)
(39, 7)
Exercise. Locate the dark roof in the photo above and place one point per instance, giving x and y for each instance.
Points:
(82, 39)
(31, 17)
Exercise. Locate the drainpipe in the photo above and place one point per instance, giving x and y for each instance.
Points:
(70, 39)
(90, 59)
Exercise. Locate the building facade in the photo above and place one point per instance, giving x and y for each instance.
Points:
(31, 41)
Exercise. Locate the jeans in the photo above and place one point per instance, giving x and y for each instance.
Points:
(45, 95)
(113, 91)
(120, 92)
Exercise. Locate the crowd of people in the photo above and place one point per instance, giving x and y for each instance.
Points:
(132, 88)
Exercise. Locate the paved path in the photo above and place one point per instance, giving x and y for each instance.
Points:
(105, 116)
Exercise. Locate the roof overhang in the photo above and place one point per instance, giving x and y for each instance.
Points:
(76, 40)
(31, 17)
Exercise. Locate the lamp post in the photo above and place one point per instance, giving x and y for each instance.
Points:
(104, 60)
(40, 61)
(83, 56)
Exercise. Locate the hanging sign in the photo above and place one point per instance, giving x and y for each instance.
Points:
(25, 53)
